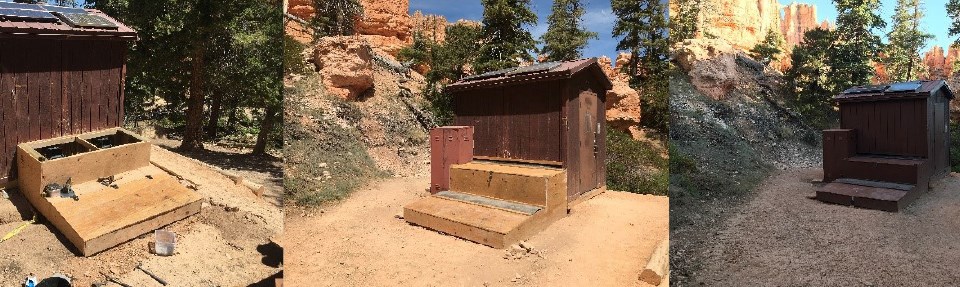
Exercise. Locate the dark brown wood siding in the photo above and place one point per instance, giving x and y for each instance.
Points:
(55, 87)
(518, 122)
(891, 127)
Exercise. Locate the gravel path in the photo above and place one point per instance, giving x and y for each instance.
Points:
(783, 237)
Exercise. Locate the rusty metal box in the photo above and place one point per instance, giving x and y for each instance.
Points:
(449, 145)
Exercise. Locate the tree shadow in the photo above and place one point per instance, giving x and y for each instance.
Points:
(266, 163)
(273, 257)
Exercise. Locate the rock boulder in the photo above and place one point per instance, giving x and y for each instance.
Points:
(345, 65)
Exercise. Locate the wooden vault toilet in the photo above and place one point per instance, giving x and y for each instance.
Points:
(893, 141)
(537, 147)
(62, 74)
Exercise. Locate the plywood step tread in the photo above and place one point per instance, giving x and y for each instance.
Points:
(869, 197)
(873, 183)
(510, 168)
(525, 209)
(887, 159)
(481, 217)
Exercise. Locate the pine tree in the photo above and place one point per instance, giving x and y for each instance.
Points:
(769, 49)
(336, 17)
(684, 19)
(906, 39)
(190, 50)
(643, 26)
(447, 63)
(953, 10)
(565, 38)
(506, 41)
(855, 43)
(807, 79)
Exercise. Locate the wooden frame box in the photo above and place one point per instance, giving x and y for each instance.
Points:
(144, 197)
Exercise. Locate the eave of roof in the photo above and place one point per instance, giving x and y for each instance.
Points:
(26, 28)
(926, 89)
(565, 70)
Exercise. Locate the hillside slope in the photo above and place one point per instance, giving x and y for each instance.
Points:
(730, 128)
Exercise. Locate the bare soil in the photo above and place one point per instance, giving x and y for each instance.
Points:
(783, 237)
(227, 244)
(266, 170)
(363, 241)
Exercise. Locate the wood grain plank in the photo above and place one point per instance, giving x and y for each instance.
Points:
(42, 62)
(6, 97)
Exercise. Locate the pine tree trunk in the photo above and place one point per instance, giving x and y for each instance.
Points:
(270, 119)
(215, 113)
(193, 134)
(232, 108)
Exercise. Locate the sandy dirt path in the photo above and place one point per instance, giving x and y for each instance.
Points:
(783, 237)
(360, 242)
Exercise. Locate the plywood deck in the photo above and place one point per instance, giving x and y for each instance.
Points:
(104, 216)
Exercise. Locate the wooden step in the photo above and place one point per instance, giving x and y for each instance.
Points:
(864, 196)
(487, 225)
(527, 184)
(885, 169)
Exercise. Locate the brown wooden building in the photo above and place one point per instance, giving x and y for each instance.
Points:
(61, 73)
(892, 142)
(550, 114)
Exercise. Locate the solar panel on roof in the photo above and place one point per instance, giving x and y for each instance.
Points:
(13, 5)
(61, 9)
(85, 20)
(487, 75)
(904, 87)
(21, 14)
(866, 89)
(534, 68)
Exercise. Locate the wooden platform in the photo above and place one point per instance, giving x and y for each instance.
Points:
(870, 195)
(494, 204)
(143, 199)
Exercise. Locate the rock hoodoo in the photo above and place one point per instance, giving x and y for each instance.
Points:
(940, 66)
(623, 102)
(798, 18)
(433, 27)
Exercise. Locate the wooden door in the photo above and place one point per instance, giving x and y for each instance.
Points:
(589, 141)
(941, 135)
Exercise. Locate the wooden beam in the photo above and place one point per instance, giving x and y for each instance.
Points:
(658, 266)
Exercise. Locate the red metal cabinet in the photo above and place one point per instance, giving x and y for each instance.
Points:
(449, 145)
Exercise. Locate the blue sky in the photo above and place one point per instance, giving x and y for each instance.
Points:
(935, 21)
(598, 18)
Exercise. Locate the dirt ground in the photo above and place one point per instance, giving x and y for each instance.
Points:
(227, 244)
(361, 241)
(783, 237)
(266, 170)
